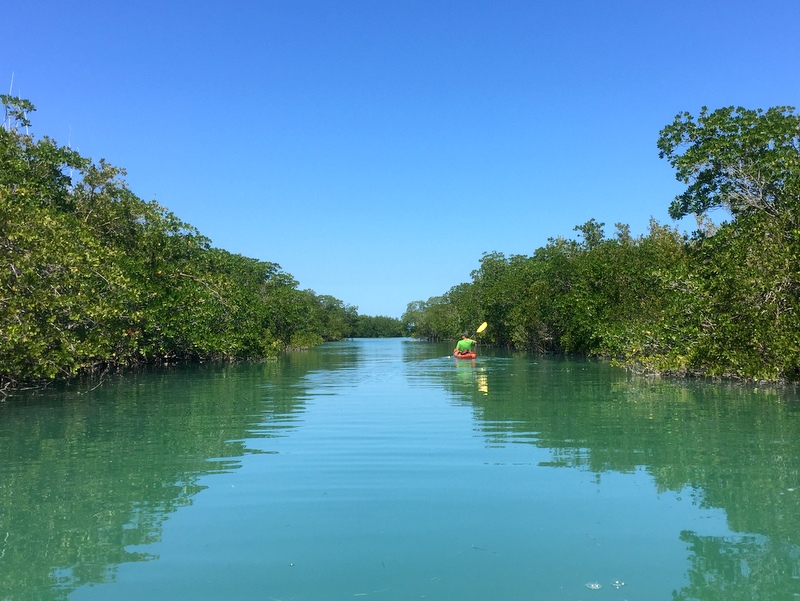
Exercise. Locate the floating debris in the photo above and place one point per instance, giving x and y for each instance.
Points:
(618, 584)
(594, 585)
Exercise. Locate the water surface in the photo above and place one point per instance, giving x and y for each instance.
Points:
(386, 470)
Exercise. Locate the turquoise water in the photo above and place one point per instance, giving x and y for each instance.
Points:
(386, 470)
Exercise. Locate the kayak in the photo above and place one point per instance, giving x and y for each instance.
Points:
(469, 355)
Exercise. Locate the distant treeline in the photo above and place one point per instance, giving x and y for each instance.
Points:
(93, 276)
(723, 301)
(371, 326)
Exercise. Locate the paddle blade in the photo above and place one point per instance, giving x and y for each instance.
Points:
(482, 327)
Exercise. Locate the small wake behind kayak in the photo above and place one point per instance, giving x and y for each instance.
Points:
(469, 355)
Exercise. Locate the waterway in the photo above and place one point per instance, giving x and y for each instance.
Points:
(388, 470)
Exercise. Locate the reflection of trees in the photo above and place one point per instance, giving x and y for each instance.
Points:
(733, 448)
(742, 568)
(87, 478)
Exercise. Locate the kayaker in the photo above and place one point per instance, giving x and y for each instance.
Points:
(465, 345)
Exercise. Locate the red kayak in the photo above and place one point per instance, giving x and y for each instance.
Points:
(469, 355)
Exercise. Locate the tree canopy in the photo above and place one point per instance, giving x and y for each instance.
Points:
(742, 160)
(92, 276)
(724, 301)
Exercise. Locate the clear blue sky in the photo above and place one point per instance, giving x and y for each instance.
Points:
(377, 149)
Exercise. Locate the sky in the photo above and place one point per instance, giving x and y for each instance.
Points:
(377, 149)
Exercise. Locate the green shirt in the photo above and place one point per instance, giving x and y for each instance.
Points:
(465, 344)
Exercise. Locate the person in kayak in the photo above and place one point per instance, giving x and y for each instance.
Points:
(465, 345)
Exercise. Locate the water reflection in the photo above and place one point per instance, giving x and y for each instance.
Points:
(741, 568)
(90, 476)
(720, 446)
(389, 447)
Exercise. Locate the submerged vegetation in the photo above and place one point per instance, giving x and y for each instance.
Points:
(723, 301)
(93, 276)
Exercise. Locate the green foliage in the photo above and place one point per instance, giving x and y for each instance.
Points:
(738, 159)
(339, 320)
(378, 326)
(739, 309)
(434, 319)
(744, 280)
(91, 275)
(724, 302)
